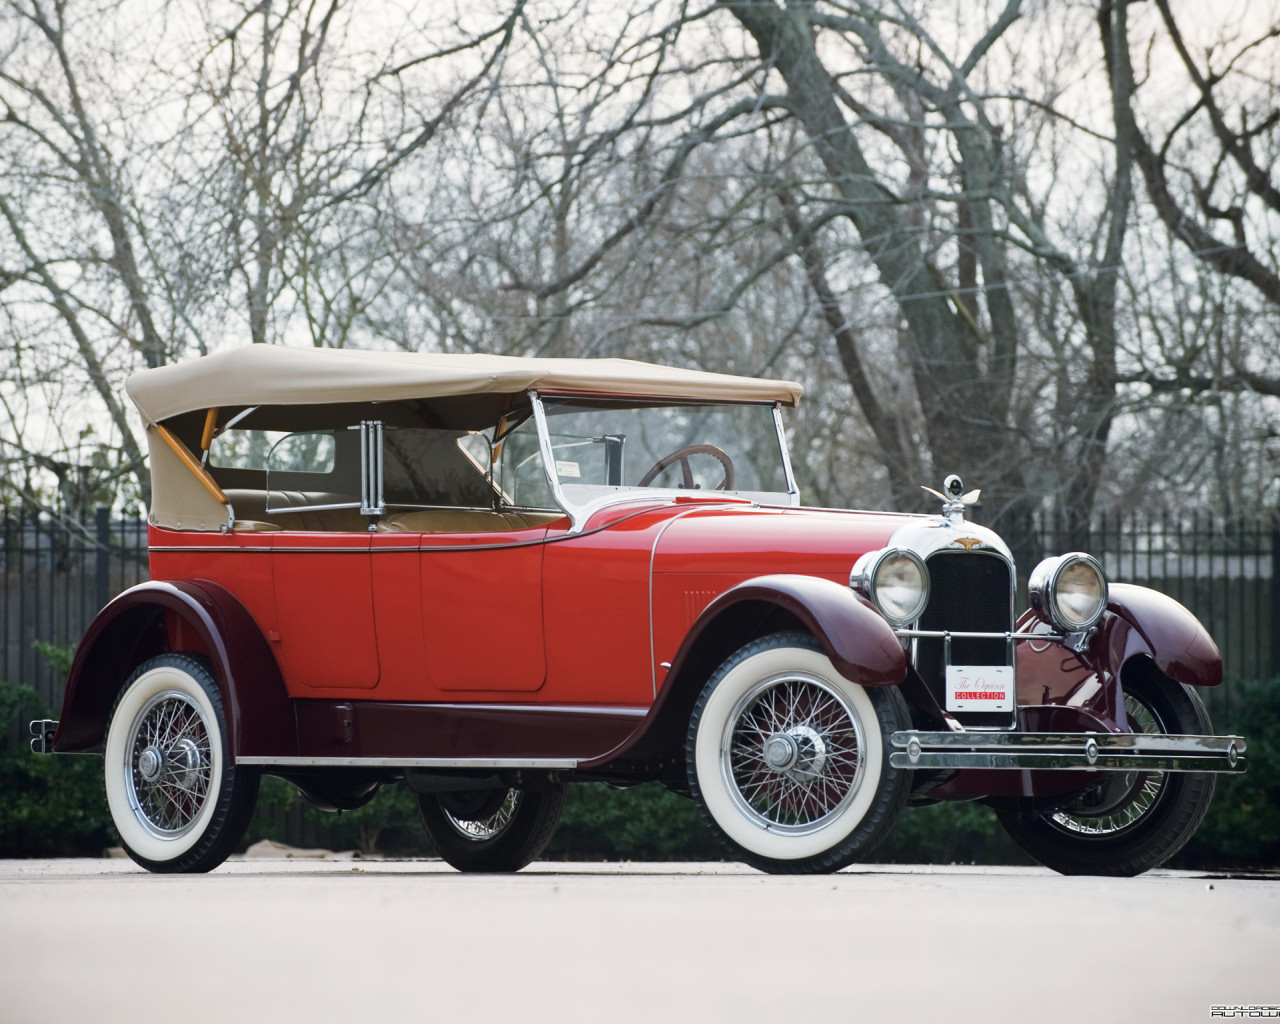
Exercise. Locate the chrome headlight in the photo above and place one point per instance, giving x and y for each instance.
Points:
(1069, 590)
(895, 580)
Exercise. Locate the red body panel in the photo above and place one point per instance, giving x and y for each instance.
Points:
(397, 615)
(596, 607)
(601, 619)
(327, 641)
(482, 612)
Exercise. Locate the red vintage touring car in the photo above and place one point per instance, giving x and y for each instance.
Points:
(488, 577)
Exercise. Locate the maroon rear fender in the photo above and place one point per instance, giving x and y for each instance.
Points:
(131, 629)
(857, 639)
(1158, 626)
(860, 643)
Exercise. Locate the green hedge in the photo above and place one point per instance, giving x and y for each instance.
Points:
(1242, 828)
(51, 806)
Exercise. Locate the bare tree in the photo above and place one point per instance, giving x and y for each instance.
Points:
(140, 189)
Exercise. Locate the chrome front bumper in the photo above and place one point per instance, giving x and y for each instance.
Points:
(1046, 751)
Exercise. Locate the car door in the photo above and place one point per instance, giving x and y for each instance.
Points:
(324, 609)
(482, 610)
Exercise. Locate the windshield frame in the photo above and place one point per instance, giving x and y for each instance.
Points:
(579, 514)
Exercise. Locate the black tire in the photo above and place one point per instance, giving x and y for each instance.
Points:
(175, 794)
(1131, 822)
(493, 829)
(789, 761)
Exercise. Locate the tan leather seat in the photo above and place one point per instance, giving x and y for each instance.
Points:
(252, 516)
(251, 508)
(464, 520)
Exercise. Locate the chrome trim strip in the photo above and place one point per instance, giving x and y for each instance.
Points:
(203, 549)
(311, 508)
(792, 488)
(371, 500)
(1141, 742)
(943, 634)
(238, 417)
(1058, 751)
(577, 520)
(653, 557)
(624, 711)
(410, 762)
(344, 550)
(1067, 762)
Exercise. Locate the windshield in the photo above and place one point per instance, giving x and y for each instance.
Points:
(602, 448)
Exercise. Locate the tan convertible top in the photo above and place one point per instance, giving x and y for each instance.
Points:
(275, 375)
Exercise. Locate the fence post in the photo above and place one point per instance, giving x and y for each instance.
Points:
(103, 532)
(1275, 599)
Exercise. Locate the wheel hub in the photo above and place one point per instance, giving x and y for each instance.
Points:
(150, 763)
(184, 761)
(781, 752)
(800, 752)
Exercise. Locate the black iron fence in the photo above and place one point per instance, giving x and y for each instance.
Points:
(58, 571)
(1226, 572)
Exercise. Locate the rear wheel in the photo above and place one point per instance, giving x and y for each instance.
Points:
(787, 759)
(175, 794)
(499, 829)
(1131, 821)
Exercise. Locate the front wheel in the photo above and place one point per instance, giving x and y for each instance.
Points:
(1131, 821)
(176, 796)
(787, 759)
(491, 829)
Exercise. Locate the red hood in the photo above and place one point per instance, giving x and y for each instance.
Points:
(814, 542)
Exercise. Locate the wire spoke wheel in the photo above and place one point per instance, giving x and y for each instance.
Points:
(479, 825)
(787, 761)
(793, 752)
(171, 764)
(1126, 822)
(1126, 798)
(176, 796)
(497, 829)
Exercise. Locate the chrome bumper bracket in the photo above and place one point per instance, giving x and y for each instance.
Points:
(42, 730)
(1044, 751)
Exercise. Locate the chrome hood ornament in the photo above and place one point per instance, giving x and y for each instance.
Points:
(954, 501)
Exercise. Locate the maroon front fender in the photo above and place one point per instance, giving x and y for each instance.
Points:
(1151, 623)
(857, 639)
(132, 628)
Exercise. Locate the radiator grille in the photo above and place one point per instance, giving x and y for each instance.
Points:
(968, 592)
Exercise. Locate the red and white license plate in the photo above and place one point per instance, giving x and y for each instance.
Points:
(979, 688)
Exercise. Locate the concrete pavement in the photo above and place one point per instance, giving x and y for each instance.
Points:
(341, 939)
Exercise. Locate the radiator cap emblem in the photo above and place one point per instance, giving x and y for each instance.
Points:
(954, 501)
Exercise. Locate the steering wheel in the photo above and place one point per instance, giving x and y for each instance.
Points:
(681, 455)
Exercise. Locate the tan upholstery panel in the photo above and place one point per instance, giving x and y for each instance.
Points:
(188, 505)
(251, 506)
(465, 520)
(252, 516)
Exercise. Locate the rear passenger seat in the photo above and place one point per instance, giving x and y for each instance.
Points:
(252, 517)
(464, 520)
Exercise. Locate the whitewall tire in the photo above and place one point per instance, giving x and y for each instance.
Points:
(788, 760)
(175, 796)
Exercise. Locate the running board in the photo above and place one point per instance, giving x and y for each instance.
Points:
(1048, 751)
